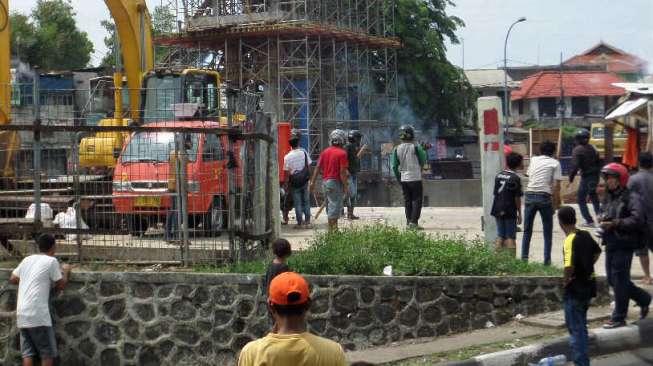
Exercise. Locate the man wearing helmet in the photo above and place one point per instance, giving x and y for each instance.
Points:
(297, 164)
(642, 184)
(333, 165)
(586, 159)
(354, 153)
(407, 161)
(622, 224)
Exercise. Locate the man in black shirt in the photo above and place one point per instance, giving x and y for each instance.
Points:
(580, 252)
(281, 250)
(586, 159)
(354, 153)
(506, 207)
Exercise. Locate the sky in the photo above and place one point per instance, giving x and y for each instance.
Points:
(552, 27)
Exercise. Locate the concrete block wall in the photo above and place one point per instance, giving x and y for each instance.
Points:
(204, 319)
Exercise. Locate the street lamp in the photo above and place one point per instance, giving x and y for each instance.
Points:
(506, 105)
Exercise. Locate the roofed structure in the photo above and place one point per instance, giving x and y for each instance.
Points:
(573, 83)
(611, 58)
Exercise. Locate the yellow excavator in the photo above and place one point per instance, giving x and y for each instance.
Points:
(151, 95)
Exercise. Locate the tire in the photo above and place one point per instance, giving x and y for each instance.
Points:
(216, 219)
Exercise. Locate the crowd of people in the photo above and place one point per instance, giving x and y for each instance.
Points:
(623, 223)
(625, 227)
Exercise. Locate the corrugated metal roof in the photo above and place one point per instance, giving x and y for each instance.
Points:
(574, 83)
(627, 107)
(488, 78)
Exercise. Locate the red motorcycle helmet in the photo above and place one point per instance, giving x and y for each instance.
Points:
(616, 170)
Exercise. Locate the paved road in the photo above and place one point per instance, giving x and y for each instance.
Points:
(641, 357)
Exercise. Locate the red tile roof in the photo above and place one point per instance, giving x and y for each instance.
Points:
(575, 84)
(610, 57)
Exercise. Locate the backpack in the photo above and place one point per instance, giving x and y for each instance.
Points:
(299, 179)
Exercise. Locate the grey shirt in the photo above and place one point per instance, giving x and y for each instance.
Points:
(642, 184)
(409, 166)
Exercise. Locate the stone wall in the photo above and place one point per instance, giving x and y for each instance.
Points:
(200, 319)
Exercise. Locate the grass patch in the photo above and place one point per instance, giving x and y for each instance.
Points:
(367, 250)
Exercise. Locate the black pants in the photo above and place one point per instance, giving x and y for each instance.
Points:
(617, 265)
(413, 193)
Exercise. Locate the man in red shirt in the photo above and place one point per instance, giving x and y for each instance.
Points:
(333, 164)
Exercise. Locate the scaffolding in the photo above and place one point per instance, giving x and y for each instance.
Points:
(328, 60)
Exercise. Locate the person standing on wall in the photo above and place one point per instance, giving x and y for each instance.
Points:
(407, 161)
(622, 227)
(35, 276)
(354, 153)
(642, 184)
(333, 165)
(586, 159)
(297, 164)
(543, 196)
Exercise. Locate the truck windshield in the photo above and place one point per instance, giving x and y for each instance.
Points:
(155, 147)
(161, 93)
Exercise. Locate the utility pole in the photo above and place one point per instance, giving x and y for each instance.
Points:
(561, 106)
(462, 40)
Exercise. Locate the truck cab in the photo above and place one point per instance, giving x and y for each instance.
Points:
(620, 139)
(141, 177)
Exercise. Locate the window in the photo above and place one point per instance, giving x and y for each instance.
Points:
(520, 106)
(547, 107)
(580, 106)
(212, 150)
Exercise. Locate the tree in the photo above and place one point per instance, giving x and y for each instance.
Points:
(50, 38)
(109, 59)
(163, 22)
(437, 91)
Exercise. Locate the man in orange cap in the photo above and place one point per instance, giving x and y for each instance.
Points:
(290, 344)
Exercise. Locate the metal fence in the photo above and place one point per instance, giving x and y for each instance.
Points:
(182, 185)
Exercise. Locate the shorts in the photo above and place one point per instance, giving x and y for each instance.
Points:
(38, 341)
(334, 196)
(506, 228)
(642, 252)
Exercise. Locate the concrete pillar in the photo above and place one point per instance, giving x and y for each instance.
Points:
(490, 121)
(649, 141)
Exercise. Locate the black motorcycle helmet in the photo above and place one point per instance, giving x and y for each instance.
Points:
(582, 136)
(406, 133)
(354, 136)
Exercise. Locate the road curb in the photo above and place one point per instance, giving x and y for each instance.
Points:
(601, 342)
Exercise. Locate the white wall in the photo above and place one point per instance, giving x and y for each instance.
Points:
(597, 105)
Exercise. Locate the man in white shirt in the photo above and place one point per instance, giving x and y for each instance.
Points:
(543, 196)
(297, 166)
(35, 277)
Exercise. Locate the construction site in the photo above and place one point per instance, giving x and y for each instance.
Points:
(97, 159)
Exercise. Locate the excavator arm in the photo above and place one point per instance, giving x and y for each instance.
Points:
(134, 28)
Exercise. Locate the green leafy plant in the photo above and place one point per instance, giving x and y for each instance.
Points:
(367, 250)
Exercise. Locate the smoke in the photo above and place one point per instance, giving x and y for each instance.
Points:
(22, 72)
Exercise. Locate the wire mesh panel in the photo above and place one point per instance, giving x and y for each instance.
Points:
(184, 183)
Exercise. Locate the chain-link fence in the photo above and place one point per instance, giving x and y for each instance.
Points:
(185, 178)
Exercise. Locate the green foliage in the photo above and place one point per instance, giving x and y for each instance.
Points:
(430, 85)
(50, 38)
(367, 250)
(163, 22)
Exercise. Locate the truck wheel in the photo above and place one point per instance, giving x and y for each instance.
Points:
(136, 225)
(216, 219)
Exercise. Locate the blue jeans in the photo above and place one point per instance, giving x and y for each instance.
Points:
(586, 188)
(172, 224)
(353, 192)
(617, 268)
(576, 321)
(506, 227)
(534, 203)
(334, 194)
(302, 200)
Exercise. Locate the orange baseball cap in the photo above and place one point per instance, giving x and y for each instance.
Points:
(288, 288)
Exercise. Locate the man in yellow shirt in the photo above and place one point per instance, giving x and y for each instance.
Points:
(290, 344)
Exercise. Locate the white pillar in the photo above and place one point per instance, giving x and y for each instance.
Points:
(490, 121)
(650, 126)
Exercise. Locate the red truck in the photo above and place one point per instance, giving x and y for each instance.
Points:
(140, 181)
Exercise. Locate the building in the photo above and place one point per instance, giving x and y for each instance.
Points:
(577, 97)
(489, 82)
(629, 67)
